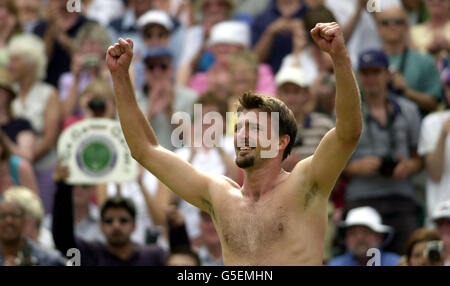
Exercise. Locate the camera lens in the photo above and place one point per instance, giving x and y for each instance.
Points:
(97, 105)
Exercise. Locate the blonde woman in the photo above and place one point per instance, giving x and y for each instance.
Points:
(37, 102)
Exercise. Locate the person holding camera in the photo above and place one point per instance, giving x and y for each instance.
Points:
(380, 169)
(424, 248)
(441, 220)
(88, 64)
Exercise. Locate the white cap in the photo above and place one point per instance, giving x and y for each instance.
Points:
(442, 210)
(293, 75)
(366, 216)
(155, 17)
(230, 32)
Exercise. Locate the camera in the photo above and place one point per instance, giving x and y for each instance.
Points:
(433, 251)
(388, 165)
(97, 105)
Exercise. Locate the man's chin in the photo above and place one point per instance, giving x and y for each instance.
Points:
(245, 162)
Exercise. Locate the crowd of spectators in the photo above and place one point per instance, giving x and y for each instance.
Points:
(393, 196)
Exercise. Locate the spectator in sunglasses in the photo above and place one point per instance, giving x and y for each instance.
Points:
(117, 216)
(161, 97)
(414, 75)
(157, 29)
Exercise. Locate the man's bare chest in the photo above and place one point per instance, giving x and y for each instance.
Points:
(250, 228)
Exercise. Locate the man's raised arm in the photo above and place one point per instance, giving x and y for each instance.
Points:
(338, 144)
(166, 166)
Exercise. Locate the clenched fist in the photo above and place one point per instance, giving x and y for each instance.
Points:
(329, 38)
(119, 56)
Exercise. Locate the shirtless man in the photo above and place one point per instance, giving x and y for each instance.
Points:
(276, 218)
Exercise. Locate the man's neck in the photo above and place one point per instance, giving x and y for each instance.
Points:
(300, 116)
(3, 116)
(259, 181)
(394, 48)
(123, 252)
(12, 248)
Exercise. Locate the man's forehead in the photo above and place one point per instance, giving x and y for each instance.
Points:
(251, 116)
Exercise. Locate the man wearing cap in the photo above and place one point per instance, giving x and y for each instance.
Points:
(160, 97)
(434, 147)
(364, 231)
(293, 89)
(380, 169)
(441, 219)
(276, 217)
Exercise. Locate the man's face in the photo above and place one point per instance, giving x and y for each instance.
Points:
(117, 225)
(12, 222)
(359, 239)
(392, 25)
(155, 35)
(295, 97)
(373, 80)
(252, 126)
(158, 69)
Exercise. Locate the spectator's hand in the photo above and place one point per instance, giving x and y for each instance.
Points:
(399, 82)
(438, 44)
(160, 99)
(367, 166)
(282, 25)
(77, 64)
(330, 39)
(403, 169)
(61, 172)
(299, 37)
(119, 56)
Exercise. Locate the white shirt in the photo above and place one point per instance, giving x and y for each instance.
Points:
(429, 136)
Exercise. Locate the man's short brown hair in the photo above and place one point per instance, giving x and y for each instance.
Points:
(287, 123)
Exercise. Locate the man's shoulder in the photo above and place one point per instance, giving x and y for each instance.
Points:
(435, 117)
(46, 257)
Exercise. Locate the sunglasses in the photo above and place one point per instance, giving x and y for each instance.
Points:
(154, 66)
(122, 220)
(398, 22)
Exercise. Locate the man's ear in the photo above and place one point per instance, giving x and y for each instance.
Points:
(284, 142)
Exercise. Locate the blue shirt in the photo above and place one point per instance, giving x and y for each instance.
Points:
(387, 259)
(283, 43)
